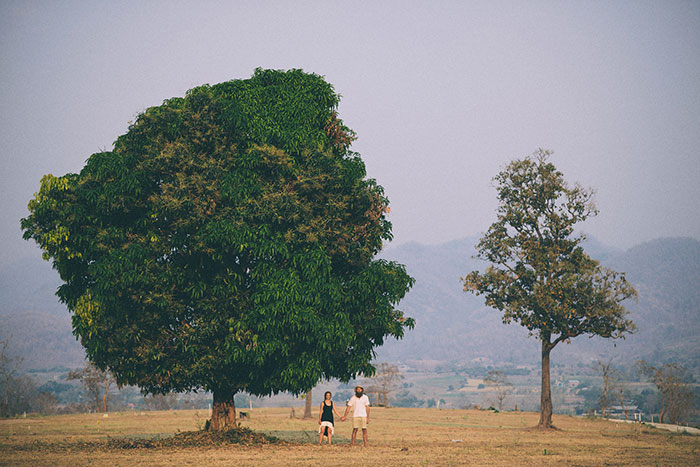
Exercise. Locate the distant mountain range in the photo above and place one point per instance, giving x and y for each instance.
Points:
(37, 325)
(451, 325)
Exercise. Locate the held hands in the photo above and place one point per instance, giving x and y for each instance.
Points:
(342, 419)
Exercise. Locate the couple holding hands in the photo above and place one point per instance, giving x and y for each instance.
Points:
(360, 415)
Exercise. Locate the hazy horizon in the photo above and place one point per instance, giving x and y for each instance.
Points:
(441, 95)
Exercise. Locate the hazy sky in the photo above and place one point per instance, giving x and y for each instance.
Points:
(442, 94)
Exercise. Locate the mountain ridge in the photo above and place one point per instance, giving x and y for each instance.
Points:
(451, 325)
(665, 272)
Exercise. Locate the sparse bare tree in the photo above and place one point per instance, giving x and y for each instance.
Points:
(672, 382)
(19, 392)
(97, 384)
(9, 365)
(384, 381)
(608, 375)
(44, 403)
(614, 388)
(500, 383)
(621, 393)
(161, 401)
(22, 395)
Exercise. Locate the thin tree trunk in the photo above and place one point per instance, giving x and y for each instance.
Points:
(6, 407)
(6, 411)
(223, 413)
(307, 407)
(622, 403)
(546, 393)
(606, 386)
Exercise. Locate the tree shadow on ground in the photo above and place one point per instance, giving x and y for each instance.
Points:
(303, 436)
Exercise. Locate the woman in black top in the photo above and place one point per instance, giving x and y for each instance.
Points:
(325, 418)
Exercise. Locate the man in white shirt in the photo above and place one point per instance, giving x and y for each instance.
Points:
(360, 413)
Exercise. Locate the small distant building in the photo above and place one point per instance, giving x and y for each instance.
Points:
(621, 409)
(618, 411)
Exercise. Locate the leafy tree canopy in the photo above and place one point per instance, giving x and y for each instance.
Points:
(540, 276)
(226, 243)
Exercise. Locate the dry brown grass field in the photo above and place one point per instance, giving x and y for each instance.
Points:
(397, 436)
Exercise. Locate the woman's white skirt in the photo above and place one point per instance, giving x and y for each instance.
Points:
(326, 424)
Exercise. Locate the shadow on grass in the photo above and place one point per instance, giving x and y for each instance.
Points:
(244, 436)
(302, 436)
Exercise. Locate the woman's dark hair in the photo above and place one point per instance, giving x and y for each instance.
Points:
(326, 393)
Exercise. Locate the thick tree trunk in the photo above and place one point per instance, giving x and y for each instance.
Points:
(223, 413)
(307, 407)
(546, 393)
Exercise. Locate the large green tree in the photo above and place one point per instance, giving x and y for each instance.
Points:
(226, 243)
(540, 275)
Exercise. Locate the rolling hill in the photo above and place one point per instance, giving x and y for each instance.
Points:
(451, 325)
(455, 326)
